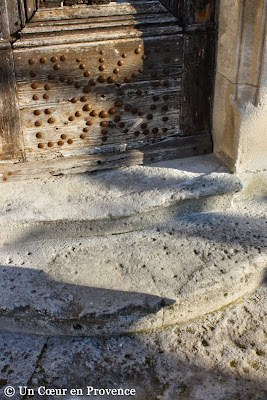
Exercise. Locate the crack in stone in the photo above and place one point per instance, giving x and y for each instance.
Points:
(238, 83)
(159, 294)
(39, 358)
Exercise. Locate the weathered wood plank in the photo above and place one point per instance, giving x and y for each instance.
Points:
(146, 17)
(176, 7)
(10, 19)
(77, 25)
(168, 149)
(22, 12)
(191, 12)
(163, 62)
(4, 25)
(199, 11)
(150, 101)
(141, 129)
(49, 3)
(124, 127)
(197, 86)
(94, 35)
(15, 15)
(30, 6)
(93, 142)
(63, 94)
(10, 134)
(11, 144)
(83, 11)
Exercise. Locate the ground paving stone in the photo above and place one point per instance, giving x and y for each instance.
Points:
(217, 357)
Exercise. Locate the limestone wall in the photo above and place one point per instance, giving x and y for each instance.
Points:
(240, 105)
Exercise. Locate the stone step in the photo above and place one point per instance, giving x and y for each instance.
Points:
(131, 282)
(112, 202)
(125, 251)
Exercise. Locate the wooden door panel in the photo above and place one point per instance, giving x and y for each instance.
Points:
(83, 100)
(149, 99)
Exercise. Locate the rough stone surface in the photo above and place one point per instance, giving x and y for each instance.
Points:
(110, 202)
(19, 355)
(240, 104)
(175, 309)
(217, 357)
(254, 187)
(114, 194)
(168, 273)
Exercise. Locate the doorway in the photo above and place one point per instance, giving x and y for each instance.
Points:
(122, 83)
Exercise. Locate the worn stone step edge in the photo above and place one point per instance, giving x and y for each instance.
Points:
(135, 318)
(115, 193)
(64, 229)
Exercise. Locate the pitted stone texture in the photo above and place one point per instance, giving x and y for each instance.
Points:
(132, 282)
(111, 202)
(18, 360)
(114, 194)
(217, 357)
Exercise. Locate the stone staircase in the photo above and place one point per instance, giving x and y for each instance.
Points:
(125, 251)
(142, 278)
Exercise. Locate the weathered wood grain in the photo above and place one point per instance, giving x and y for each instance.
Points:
(101, 22)
(103, 19)
(164, 56)
(199, 11)
(10, 134)
(166, 94)
(30, 8)
(93, 143)
(11, 143)
(197, 86)
(15, 15)
(191, 12)
(49, 3)
(84, 11)
(100, 97)
(4, 27)
(130, 129)
(93, 35)
(150, 101)
(176, 7)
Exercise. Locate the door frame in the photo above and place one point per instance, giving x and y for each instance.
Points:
(12, 140)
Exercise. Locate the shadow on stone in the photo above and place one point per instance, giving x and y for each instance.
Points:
(32, 302)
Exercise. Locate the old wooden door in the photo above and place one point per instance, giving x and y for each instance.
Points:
(100, 86)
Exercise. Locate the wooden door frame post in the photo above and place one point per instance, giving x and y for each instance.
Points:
(11, 140)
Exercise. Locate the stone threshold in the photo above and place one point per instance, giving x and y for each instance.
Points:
(112, 202)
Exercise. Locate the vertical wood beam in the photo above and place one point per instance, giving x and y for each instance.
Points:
(30, 8)
(191, 12)
(10, 132)
(197, 83)
(198, 20)
(198, 11)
